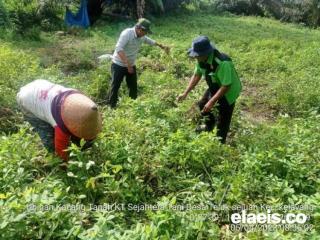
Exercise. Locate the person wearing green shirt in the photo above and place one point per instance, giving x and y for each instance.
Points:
(224, 86)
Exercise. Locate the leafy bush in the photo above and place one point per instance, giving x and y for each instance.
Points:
(22, 15)
(143, 8)
(3, 15)
(16, 69)
(307, 12)
(27, 16)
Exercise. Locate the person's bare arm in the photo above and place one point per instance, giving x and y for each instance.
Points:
(193, 82)
(219, 94)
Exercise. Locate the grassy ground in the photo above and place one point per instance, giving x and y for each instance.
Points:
(148, 151)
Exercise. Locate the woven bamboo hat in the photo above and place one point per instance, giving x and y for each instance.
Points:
(81, 116)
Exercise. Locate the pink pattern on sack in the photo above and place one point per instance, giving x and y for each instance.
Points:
(44, 93)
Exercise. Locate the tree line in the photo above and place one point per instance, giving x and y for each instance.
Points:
(25, 15)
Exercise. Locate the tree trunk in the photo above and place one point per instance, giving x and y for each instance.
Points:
(140, 8)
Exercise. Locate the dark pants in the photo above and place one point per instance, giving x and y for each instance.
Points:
(224, 114)
(118, 73)
(44, 130)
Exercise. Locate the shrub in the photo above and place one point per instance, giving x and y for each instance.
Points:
(16, 69)
(27, 15)
(3, 15)
(307, 12)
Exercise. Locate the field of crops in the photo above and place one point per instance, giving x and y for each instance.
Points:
(148, 154)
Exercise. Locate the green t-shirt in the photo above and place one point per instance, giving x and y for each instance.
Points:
(225, 75)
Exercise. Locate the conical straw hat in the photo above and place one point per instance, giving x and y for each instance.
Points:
(81, 116)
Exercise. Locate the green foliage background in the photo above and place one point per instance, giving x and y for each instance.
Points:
(306, 12)
(148, 151)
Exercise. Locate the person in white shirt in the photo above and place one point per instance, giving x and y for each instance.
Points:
(124, 58)
(59, 115)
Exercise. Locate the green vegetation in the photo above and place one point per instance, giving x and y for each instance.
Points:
(306, 12)
(148, 152)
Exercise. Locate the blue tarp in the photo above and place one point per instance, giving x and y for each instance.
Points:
(80, 19)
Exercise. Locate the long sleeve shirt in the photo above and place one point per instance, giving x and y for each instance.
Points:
(130, 43)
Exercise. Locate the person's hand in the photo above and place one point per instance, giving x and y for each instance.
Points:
(207, 107)
(64, 166)
(166, 49)
(130, 70)
(181, 97)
